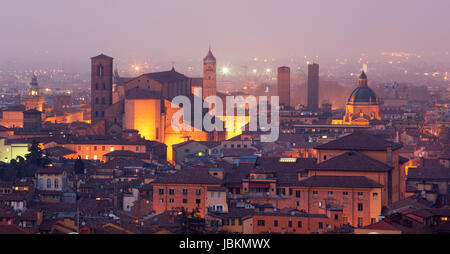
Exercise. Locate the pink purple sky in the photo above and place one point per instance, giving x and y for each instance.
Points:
(77, 30)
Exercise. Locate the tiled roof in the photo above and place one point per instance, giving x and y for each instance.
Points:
(237, 152)
(101, 56)
(166, 76)
(189, 176)
(359, 141)
(50, 170)
(352, 161)
(339, 181)
(381, 225)
(428, 174)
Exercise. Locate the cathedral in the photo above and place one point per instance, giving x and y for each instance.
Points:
(143, 103)
(362, 106)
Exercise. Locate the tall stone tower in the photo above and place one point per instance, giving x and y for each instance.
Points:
(34, 100)
(313, 87)
(101, 86)
(284, 85)
(209, 75)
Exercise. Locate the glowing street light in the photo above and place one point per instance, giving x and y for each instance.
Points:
(268, 70)
(225, 70)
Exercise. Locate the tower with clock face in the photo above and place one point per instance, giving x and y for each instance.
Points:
(209, 75)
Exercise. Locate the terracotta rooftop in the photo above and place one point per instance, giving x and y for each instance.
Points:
(352, 161)
(189, 176)
(359, 141)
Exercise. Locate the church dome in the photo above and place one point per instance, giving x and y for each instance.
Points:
(363, 94)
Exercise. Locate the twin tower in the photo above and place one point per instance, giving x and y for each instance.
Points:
(284, 83)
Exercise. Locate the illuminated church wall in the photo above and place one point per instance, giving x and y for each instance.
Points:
(143, 115)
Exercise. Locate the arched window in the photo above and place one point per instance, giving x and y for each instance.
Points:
(56, 183)
(100, 70)
(49, 183)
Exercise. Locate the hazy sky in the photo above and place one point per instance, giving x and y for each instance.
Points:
(164, 29)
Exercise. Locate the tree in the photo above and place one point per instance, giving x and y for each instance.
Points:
(35, 156)
(191, 222)
(79, 166)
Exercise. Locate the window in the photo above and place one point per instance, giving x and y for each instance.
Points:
(360, 222)
(232, 222)
(49, 183)
(171, 191)
(95, 148)
(275, 223)
(360, 194)
(297, 194)
(345, 194)
(324, 157)
(161, 191)
(315, 194)
(79, 148)
(375, 195)
(137, 148)
(320, 225)
(360, 206)
(103, 148)
(41, 183)
(240, 222)
(171, 200)
(103, 100)
(100, 70)
(96, 100)
(56, 183)
(198, 192)
(299, 224)
(336, 217)
(197, 201)
(373, 220)
(261, 223)
(184, 201)
(290, 224)
(281, 191)
(185, 191)
(212, 194)
(330, 193)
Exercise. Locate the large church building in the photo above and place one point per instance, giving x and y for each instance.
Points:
(144, 103)
(362, 106)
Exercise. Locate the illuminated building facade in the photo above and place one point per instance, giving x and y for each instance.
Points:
(362, 106)
(34, 100)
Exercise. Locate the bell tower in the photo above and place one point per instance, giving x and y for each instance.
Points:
(209, 75)
(101, 86)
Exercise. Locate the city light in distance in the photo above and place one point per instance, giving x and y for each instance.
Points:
(225, 70)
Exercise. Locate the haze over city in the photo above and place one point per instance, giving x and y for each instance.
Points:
(238, 31)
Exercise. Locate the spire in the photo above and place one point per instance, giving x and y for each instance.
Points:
(209, 56)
